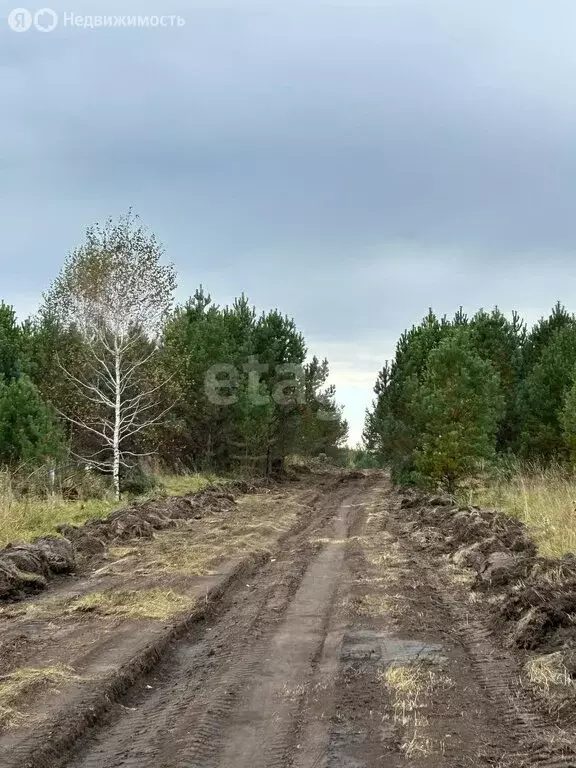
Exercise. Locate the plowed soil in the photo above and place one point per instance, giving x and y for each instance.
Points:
(344, 642)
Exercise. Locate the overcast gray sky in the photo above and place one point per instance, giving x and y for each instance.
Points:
(349, 162)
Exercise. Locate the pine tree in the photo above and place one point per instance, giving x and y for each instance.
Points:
(542, 396)
(390, 427)
(457, 409)
(10, 343)
(377, 436)
(245, 397)
(499, 340)
(542, 334)
(568, 418)
(29, 430)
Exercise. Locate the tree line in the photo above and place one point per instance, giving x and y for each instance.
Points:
(464, 391)
(109, 372)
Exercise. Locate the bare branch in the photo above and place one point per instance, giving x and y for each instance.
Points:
(83, 425)
(147, 424)
(101, 398)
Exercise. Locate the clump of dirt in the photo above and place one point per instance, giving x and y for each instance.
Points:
(140, 521)
(16, 584)
(465, 526)
(534, 601)
(354, 474)
(27, 568)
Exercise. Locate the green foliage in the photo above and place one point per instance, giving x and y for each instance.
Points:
(499, 340)
(202, 387)
(542, 394)
(136, 481)
(10, 344)
(244, 395)
(541, 335)
(29, 431)
(457, 409)
(358, 458)
(323, 429)
(535, 373)
(568, 418)
(391, 432)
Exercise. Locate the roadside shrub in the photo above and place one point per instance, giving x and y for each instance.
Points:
(136, 481)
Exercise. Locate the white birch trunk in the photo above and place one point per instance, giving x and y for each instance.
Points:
(117, 424)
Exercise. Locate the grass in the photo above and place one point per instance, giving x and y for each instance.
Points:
(25, 682)
(24, 519)
(255, 525)
(179, 485)
(543, 499)
(160, 604)
(374, 605)
(415, 679)
(548, 670)
(172, 553)
(549, 679)
(411, 687)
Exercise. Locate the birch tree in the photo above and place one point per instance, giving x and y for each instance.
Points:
(115, 291)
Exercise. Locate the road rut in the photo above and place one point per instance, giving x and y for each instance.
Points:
(232, 696)
(349, 648)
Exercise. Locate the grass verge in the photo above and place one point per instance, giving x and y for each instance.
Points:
(544, 500)
(24, 519)
(256, 524)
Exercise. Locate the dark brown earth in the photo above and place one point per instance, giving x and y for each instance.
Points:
(27, 569)
(357, 637)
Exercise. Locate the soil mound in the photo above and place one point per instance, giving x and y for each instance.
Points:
(354, 474)
(28, 568)
(535, 601)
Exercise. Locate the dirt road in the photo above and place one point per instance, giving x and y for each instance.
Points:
(349, 647)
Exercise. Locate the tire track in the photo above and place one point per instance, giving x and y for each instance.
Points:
(223, 694)
(259, 736)
(530, 740)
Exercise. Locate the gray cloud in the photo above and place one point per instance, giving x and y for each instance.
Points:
(351, 163)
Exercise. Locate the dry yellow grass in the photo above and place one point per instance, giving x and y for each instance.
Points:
(254, 525)
(547, 671)
(23, 519)
(410, 686)
(545, 500)
(25, 682)
(412, 680)
(160, 604)
(376, 605)
(550, 680)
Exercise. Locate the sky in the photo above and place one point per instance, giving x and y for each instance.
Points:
(352, 163)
